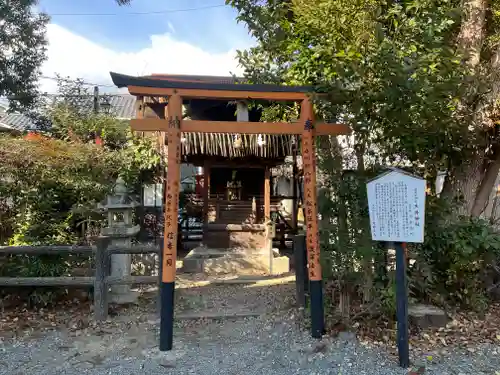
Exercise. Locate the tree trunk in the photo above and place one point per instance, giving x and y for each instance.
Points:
(486, 186)
(365, 237)
(464, 181)
(461, 184)
(486, 112)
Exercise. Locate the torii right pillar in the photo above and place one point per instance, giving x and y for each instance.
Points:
(311, 208)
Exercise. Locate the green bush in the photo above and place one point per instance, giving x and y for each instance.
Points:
(450, 266)
(50, 184)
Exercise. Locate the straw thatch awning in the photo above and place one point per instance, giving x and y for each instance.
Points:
(236, 145)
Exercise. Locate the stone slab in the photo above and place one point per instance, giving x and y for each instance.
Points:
(234, 227)
(247, 280)
(206, 253)
(219, 315)
(425, 316)
(249, 241)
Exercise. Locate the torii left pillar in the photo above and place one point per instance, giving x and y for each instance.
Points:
(169, 250)
(311, 208)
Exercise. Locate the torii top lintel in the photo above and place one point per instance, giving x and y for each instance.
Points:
(225, 88)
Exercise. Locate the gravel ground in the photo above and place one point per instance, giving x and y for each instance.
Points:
(274, 343)
(250, 346)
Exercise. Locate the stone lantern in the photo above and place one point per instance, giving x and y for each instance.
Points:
(120, 207)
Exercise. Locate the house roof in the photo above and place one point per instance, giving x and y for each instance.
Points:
(5, 128)
(16, 122)
(201, 83)
(122, 106)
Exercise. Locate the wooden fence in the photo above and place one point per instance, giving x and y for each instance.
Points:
(102, 280)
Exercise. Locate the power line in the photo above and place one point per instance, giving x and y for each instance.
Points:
(83, 82)
(56, 95)
(139, 13)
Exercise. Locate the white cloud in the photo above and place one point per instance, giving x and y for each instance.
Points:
(77, 57)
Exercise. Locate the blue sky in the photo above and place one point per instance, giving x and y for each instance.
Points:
(213, 29)
(166, 41)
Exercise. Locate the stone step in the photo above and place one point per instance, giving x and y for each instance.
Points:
(227, 262)
(235, 213)
(233, 220)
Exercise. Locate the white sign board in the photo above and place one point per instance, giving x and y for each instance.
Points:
(396, 202)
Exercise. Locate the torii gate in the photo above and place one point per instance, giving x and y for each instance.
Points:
(177, 89)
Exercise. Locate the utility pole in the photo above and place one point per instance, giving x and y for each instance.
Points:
(96, 99)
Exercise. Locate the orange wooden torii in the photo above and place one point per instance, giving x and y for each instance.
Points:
(176, 89)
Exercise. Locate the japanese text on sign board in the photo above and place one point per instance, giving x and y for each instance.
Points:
(397, 208)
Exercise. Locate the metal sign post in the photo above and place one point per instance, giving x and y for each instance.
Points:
(396, 202)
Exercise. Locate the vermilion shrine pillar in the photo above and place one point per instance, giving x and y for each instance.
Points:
(311, 216)
(169, 251)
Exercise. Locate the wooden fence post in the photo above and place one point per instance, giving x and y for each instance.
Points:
(102, 258)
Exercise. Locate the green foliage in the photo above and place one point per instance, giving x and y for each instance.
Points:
(343, 230)
(56, 180)
(387, 297)
(51, 183)
(393, 72)
(22, 50)
(451, 265)
(36, 266)
(390, 67)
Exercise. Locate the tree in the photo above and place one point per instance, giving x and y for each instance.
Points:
(409, 79)
(58, 176)
(22, 50)
(478, 40)
(71, 117)
(427, 71)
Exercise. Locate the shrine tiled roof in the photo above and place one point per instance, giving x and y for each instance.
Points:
(201, 83)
